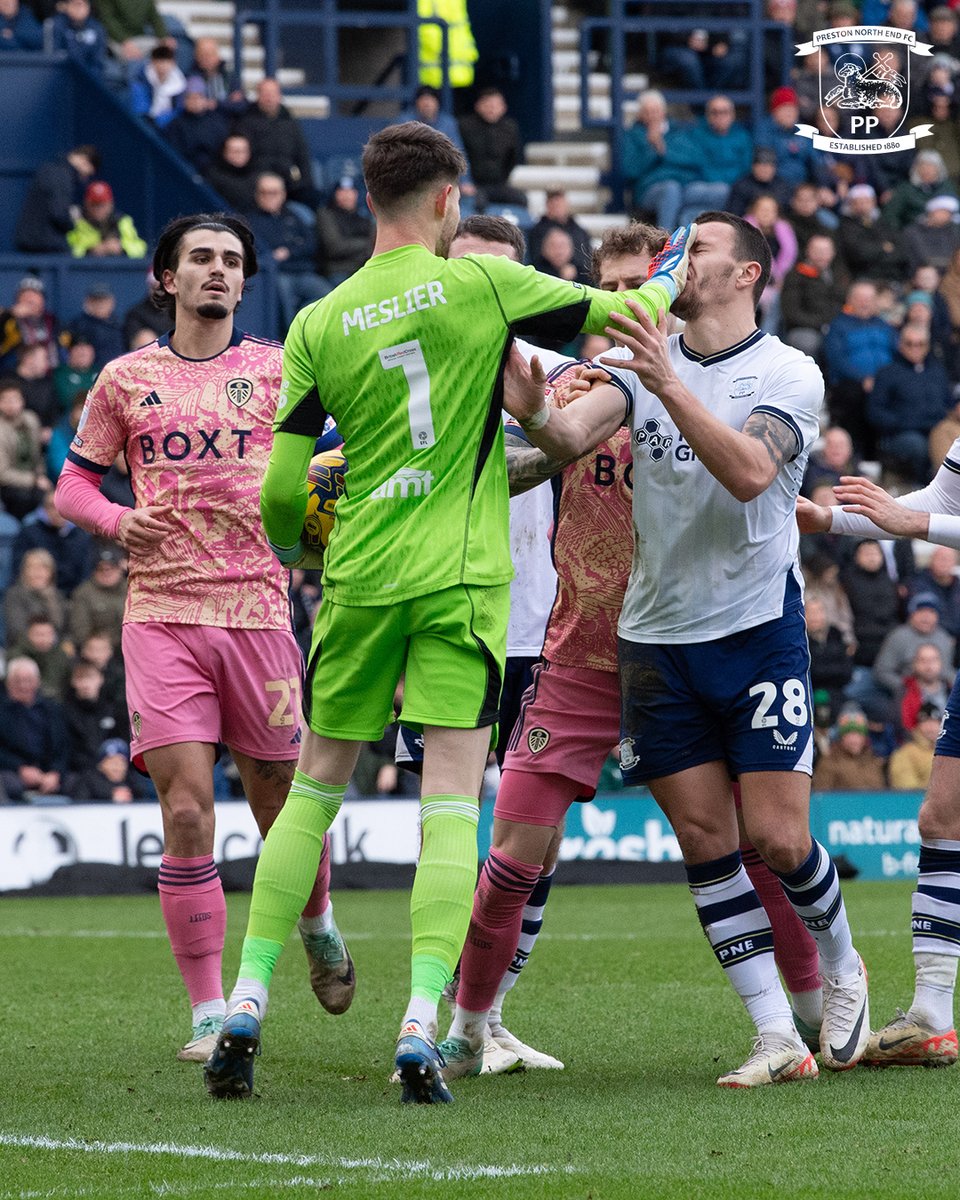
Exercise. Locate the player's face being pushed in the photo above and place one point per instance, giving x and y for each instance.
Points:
(712, 273)
(624, 272)
(208, 278)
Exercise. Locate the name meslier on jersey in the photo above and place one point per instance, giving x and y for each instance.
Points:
(394, 308)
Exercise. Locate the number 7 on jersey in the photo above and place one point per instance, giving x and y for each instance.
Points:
(408, 356)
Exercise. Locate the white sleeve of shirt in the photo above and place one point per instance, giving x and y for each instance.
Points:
(549, 359)
(793, 392)
(940, 498)
(625, 380)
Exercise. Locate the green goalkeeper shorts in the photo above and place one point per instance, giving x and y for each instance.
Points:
(449, 647)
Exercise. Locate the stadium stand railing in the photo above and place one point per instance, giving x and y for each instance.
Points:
(327, 22)
(365, 88)
(611, 34)
(52, 104)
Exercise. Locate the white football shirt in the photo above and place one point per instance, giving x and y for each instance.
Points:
(706, 565)
(534, 585)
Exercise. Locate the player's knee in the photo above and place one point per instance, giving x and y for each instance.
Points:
(188, 812)
(525, 843)
(938, 818)
(783, 850)
(553, 850)
(702, 841)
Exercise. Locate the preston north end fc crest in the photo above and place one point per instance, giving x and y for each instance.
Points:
(864, 89)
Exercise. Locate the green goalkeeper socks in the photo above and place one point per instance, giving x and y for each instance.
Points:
(442, 897)
(286, 872)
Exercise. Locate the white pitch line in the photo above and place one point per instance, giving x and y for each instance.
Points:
(261, 1186)
(67, 1192)
(64, 1193)
(388, 1167)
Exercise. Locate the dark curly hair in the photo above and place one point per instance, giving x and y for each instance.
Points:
(167, 254)
(635, 238)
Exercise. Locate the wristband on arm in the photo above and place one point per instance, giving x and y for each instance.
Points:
(538, 420)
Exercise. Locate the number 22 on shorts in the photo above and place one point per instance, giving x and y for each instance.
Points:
(284, 712)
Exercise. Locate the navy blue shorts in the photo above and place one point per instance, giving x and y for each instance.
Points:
(409, 750)
(743, 699)
(948, 741)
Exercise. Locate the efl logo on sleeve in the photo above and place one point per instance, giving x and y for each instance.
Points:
(864, 89)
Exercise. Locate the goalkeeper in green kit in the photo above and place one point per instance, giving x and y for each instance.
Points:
(408, 356)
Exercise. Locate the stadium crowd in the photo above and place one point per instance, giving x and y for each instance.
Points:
(865, 255)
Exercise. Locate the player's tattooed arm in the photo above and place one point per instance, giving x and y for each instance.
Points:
(527, 466)
(777, 438)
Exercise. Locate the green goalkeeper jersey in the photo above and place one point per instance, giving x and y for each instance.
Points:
(407, 355)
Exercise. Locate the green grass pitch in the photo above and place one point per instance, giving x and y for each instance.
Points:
(622, 987)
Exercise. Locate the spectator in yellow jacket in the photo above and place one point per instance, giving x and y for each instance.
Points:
(100, 231)
(461, 48)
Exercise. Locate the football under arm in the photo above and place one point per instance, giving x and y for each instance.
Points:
(283, 495)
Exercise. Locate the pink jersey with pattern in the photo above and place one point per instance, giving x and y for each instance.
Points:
(593, 551)
(197, 435)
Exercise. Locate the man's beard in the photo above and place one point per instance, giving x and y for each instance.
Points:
(687, 306)
(213, 310)
(445, 238)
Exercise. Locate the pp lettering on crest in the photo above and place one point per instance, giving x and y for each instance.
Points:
(864, 89)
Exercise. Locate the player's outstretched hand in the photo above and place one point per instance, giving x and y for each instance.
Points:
(669, 267)
(857, 494)
(812, 518)
(143, 528)
(523, 386)
(647, 342)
